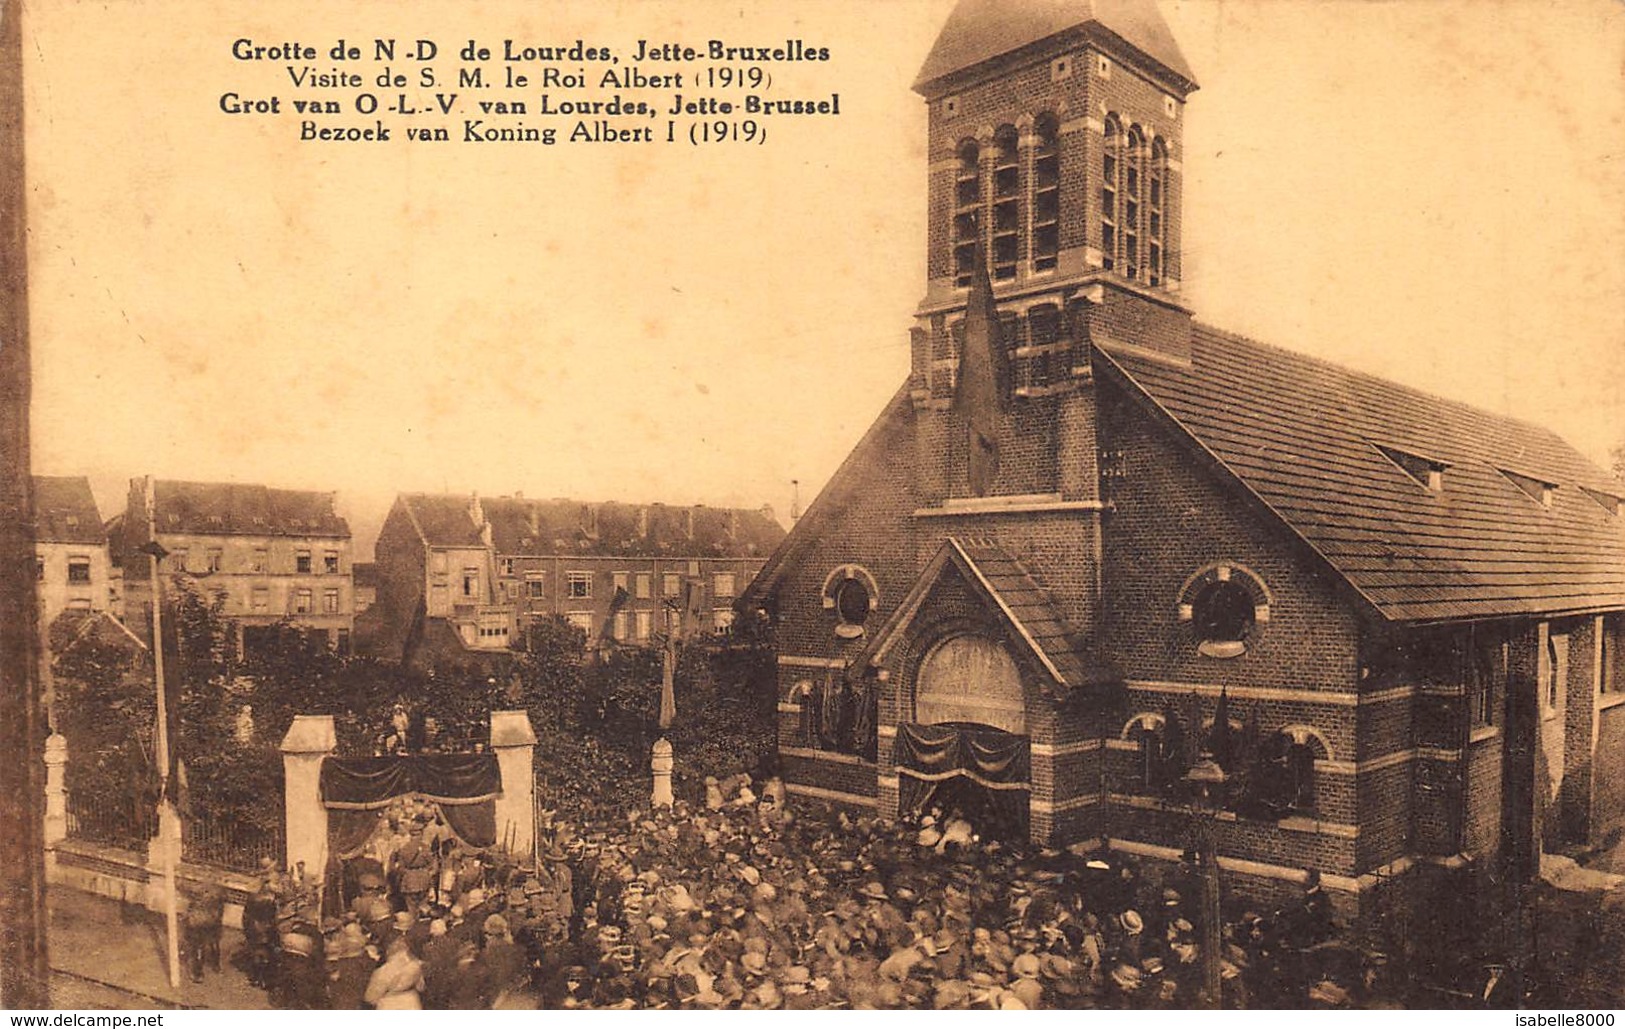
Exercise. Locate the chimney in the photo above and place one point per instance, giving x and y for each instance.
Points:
(688, 522)
(643, 523)
(476, 510)
(733, 524)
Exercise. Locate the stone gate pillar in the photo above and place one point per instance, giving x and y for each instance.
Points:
(56, 793)
(310, 739)
(514, 742)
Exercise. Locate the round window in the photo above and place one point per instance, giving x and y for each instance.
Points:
(852, 602)
(1222, 614)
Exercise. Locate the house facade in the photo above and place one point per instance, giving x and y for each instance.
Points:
(469, 574)
(1092, 545)
(272, 556)
(70, 549)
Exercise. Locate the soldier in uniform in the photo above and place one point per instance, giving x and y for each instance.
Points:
(259, 929)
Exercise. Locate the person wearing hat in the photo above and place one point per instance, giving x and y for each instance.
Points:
(201, 932)
(1130, 942)
(397, 984)
(401, 925)
(302, 970)
(349, 968)
(259, 927)
(440, 956)
(501, 964)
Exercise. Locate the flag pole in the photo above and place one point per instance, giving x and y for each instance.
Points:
(168, 818)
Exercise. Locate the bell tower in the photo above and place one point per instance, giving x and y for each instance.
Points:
(1055, 149)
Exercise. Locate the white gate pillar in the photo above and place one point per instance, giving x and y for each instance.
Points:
(56, 793)
(514, 743)
(310, 739)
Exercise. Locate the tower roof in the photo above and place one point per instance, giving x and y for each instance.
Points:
(979, 30)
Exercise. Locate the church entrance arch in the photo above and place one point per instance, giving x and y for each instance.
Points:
(967, 746)
(970, 679)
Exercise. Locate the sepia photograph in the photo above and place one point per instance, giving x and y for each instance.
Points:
(773, 505)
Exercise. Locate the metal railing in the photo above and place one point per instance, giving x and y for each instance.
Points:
(119, 820)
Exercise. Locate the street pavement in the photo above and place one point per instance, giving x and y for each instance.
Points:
(105, 954)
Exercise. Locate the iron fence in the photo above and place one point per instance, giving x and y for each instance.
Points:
(121, 821)
(231, 846)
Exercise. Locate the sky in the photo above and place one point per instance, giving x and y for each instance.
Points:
(1429, 190)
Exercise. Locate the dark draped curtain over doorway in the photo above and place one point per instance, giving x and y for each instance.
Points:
(979, 769)
(356, 792)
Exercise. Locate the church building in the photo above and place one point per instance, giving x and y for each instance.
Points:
(1098, 569)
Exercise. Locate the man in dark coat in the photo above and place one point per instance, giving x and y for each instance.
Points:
(259, 931)
(349, 968)
(204, 911)
(501, 964)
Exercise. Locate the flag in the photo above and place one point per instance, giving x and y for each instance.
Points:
(1218, 741)
(616, 602)
(693, 606)
(668, 690)
(980, 393)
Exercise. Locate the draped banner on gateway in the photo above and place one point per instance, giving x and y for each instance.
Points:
(356, 790)
(928, 756)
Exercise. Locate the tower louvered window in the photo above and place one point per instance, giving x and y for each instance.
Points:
(1006, 204)
(1046, 195)
(967, 199)
(1133, 174)
(1156, 245)
(1110, 167)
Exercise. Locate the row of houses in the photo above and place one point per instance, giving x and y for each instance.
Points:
(454, 575)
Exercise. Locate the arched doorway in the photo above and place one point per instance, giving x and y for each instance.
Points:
(966, 746)
(970, 679)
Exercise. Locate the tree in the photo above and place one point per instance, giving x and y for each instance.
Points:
(107, 709)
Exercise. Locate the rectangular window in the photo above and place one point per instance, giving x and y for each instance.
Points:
(39, 569)
(722, 584)
(471, 582)
(505, 566)
(330, 562)
(645, 590)
(438, 565)
(645, 624)
(581, 620)
(619, 629)
(301, 562)
(79, 604)
(671, 584)
(578, 585)
(722, 618)
(177, 560)
(301, 602)
(1556, 672)
(261, 601)
(261, 560)
(535, 587)
(215, 560)
(79, 569)
(620, 580)
(330, 601)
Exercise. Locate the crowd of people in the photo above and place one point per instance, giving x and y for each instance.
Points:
(741, 902)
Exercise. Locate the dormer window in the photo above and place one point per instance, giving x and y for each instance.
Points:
(1427, 472)
(1607, 501)
(1536, 489)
